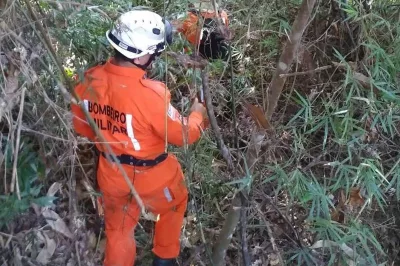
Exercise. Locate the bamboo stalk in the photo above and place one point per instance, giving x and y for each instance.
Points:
(213, 120)
(231, 221)
(287, 56)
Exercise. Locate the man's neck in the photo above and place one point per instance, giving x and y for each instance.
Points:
(123, 63)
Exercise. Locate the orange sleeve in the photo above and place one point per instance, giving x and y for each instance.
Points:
(79, 122)
(190, 29)
(178, 127)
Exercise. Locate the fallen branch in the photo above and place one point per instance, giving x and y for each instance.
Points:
(237, 212)
(218, 254)
(234, 213)
(318, 69)
(213, 120)
(250, 160)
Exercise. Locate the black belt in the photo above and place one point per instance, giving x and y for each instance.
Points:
(131, 160)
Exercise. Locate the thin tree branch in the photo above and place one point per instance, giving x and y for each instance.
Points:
(318, 69)
(14, 179)
(271, 236)
(272, 204)
(243, 228)
(244, 194)
(213, 120)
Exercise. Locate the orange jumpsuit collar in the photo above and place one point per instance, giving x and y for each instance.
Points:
(132, 72)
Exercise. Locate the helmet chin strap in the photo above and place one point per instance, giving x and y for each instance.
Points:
(151, 59)
(160, 47)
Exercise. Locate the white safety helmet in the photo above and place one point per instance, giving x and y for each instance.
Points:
(140, 32)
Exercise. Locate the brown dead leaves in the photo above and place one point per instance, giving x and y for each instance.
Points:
(355, 199)
(257, 113)
(347, 204)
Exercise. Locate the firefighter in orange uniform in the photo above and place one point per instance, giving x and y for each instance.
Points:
(199, 27)
(135, 116)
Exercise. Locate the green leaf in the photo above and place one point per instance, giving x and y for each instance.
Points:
(44, 201)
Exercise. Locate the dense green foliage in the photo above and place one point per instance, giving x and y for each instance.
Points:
(335, 130)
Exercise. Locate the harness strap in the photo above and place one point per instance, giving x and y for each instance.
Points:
(131, 160)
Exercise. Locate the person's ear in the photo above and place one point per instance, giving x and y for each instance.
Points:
(137, 61)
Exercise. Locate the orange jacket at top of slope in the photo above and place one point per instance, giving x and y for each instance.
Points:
(192, 31)
(130, 111)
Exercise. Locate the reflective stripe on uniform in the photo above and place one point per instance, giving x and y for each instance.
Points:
(86, 103)
(167, 194)
(129, 129)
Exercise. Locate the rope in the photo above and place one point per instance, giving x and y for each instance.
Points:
(166, 105)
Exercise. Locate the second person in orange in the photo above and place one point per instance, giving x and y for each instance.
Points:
(200, 29)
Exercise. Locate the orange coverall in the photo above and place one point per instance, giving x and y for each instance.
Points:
(192, 31)
(135, 116)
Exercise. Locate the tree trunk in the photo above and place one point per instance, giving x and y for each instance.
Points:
(218, 255)
(286, 59)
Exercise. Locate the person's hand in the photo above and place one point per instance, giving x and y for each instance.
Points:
(198, 107)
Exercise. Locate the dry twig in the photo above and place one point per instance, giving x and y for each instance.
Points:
(14, 179)
(305, 72)
(213, 120)
(271, 236)
(243, 227)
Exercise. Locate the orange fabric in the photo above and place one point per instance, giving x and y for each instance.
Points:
(121, 212)
(131, 112)
(191, 30)
(79, 121)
